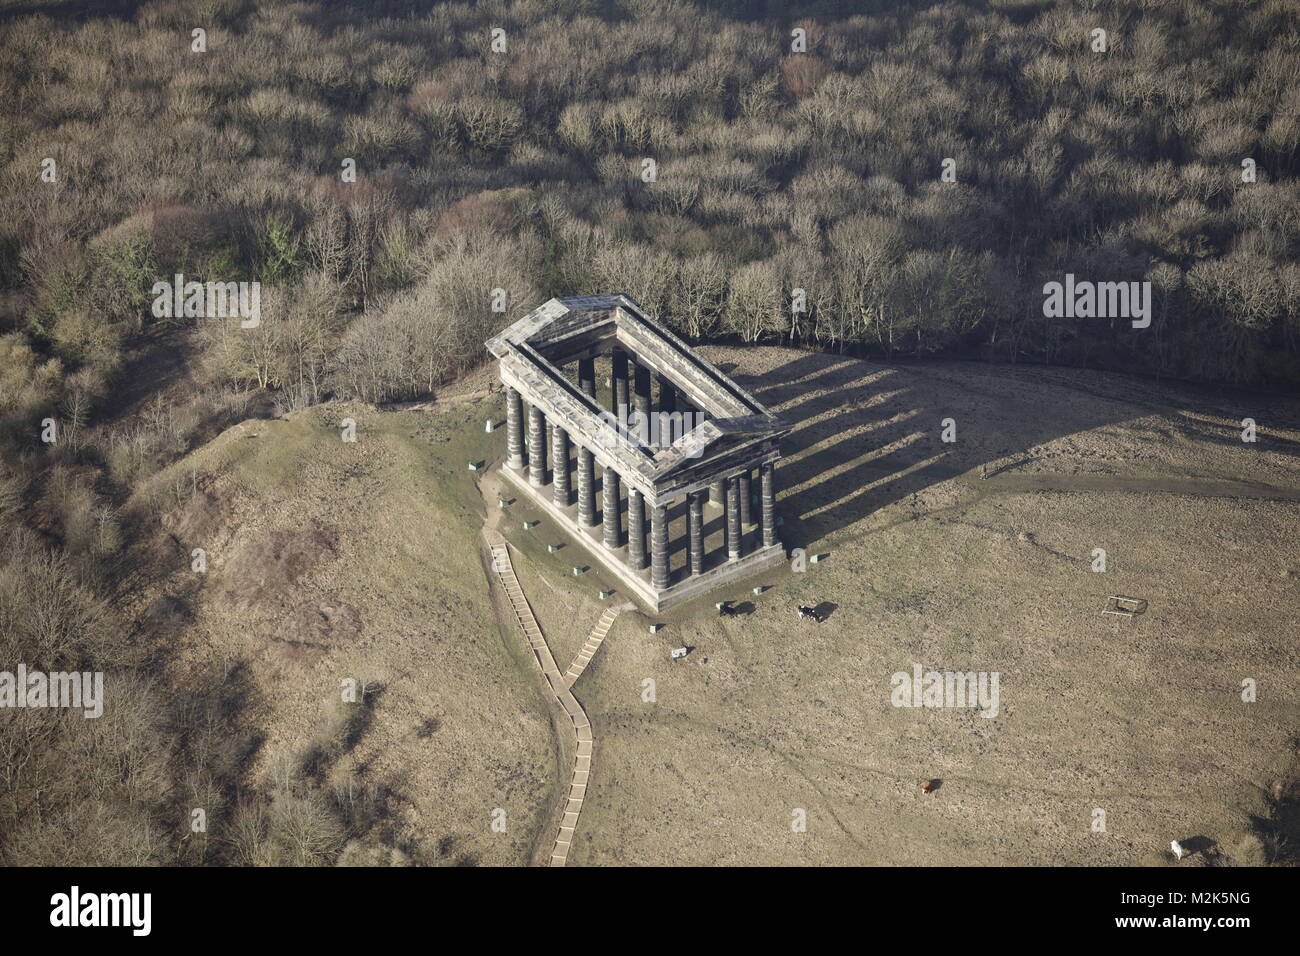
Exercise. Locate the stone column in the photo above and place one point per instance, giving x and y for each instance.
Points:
(586, 488)
(641, 399)
(560, 465)
(668, 418)
(514, 430)
(667, 394)
(733, 519)
(609, 511)
(536, 447)
(746, 517)
(587, 376)
(767, 502)
(635, 529)
(684, 413)
(619, 358)
(718, 493)
(695, 528)
(659, 546)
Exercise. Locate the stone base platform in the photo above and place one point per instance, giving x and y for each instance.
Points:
(684, 587)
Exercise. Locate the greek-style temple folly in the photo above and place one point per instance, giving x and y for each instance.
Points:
(666, 440)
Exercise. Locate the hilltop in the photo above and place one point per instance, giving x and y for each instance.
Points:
(329, 560)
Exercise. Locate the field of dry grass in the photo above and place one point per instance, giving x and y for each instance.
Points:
(928, 563)
(330, 560)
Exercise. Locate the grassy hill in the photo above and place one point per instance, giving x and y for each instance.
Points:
(330, 559)
(928, 563)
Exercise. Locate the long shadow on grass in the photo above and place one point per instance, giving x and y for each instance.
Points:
(834, 474)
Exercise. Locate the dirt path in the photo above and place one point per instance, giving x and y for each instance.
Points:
(583, 741)
(439, 404)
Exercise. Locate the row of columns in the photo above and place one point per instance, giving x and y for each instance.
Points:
(632, 389)
(732, 493)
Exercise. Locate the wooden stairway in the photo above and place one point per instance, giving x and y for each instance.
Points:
(594, 640)
(504, 569)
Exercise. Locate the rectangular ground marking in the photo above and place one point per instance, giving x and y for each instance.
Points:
(1125, 606)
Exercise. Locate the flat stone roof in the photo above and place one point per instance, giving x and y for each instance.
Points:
(531, 350)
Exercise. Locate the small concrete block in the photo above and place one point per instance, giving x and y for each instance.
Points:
(530, 525)
(488, 427)
(605, 595)
(814, 559)
(552, 548)
(475, 465)
(760, 589)
(654, 628)
(578, 571)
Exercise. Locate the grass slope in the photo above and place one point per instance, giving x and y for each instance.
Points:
(330, 560)
(926, 564)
